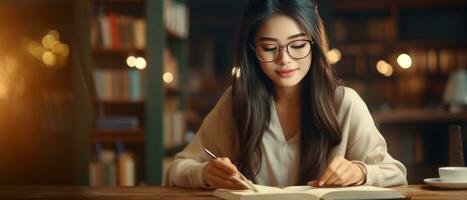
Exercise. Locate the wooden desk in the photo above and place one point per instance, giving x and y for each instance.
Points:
(417, 192)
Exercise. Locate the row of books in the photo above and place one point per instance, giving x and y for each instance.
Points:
(119, 84)
(437, 61)
(409, 148)
(112, 169)
(174, 124)
(424, 61)
(117, 122)
(357, 66)
(363, 30)
(114, 31)
(176, 18)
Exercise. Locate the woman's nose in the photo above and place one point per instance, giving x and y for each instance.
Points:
(284, 56)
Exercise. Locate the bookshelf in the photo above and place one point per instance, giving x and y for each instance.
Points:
(406, 103)
(369, 31)
(138, 53)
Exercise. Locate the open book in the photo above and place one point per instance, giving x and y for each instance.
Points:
(307, 192)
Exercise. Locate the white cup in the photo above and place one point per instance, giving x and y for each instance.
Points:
(453, 174)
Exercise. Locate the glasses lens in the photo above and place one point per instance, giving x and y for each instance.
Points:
(299, 48)
(267, 52)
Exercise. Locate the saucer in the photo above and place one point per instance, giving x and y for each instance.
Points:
(436, 182)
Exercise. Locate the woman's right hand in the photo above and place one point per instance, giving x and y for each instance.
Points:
(221, 173)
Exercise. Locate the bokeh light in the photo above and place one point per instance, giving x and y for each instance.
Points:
(168, 77)
(404, 61)
(334, 55)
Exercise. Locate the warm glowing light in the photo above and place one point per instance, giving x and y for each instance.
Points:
(49, 49)
(234, 70)
(384, 68)
(140, 63)
(49, 58)
(3, 91)
(8, 75)
(168, 77)
(65, 50)
(381, 66)
(60, 48)
(334, 55)
(404, 61)
(35, 49)
(130, 61)
(48, 40)
(389, 71)
(238, 73)
(20, 86)
(56, 47)
(55, 33)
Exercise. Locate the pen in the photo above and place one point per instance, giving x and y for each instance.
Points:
(243, 180)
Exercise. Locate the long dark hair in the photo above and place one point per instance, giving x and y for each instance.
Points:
(252, 91)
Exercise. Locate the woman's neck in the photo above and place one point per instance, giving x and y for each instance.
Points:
(288, 95)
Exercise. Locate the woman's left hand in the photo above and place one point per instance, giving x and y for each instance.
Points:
(340, 172)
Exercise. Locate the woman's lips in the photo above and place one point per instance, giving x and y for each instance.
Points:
(286, 73)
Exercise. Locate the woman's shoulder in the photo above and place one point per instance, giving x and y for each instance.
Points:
(223, 108)
(346, 97)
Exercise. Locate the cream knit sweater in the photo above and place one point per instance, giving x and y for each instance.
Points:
(361, 141)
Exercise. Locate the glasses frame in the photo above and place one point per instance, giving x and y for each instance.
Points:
(286, 46)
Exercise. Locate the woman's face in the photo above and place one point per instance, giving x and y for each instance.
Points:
(283, 50)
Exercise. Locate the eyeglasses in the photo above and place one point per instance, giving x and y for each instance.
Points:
(296, 49)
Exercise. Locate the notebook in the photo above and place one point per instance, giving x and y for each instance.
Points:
(310, 193)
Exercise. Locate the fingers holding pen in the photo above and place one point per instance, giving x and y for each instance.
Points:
(220, 173)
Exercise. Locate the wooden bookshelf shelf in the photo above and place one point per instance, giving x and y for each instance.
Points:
(418, 116)
(387, 5)
(362, 5)
(432, 44)
(117, 1)
(121, 102)
(119, 51)
(141, 28)
(366, 49)
(172, 35)
(173, 91)
(114, 135)
(430, 3)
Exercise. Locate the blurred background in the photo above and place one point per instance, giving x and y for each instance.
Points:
(105, 92)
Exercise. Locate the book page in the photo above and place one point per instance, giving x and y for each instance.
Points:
(265, 193)
(307, 192)
(321, 192)
(262, 189)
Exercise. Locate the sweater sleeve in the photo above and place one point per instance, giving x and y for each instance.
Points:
(215, 134)
(366, 144)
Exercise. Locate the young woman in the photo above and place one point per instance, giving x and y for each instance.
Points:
(286, 120)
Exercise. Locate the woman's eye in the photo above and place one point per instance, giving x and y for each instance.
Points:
(269, 48)
(298, 46)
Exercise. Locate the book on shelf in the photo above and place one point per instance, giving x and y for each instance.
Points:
(119, 84)
(103, 171)
(176, 18)
(117, 122)
(126, 169)
(358, 30)
(112, 170)
(174, 128)
(308, 193)
(115, 31)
